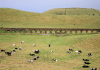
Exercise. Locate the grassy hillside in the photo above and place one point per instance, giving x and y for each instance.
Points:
(60, 45)
(22, 19)
(73, 11)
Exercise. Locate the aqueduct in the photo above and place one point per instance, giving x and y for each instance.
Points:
(49, 29)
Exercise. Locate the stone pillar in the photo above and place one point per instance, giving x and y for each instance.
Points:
(30, 31)
(20, 31)
(40, 31)
(56, 31)
(71, 31)
(75, 31)
(98, 31)
(65, 31)
(91, 31)
(60, 31)
(81, 31)
(35, 31)
(86, 31)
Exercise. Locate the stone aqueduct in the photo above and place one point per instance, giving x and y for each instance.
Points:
(49, 29)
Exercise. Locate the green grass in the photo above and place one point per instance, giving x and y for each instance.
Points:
(60, 45)
(12, 18)
(73, 11)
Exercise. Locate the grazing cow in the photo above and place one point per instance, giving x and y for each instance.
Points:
(34, 45)
(55, 59)
(35, 51)
(35, 58)
(84, 66)
(13, 51)
(89, 54)
(79, 51)
(86, 62)
(20, 48)
(32, 54)
(93, 68)
(8, 53)
(76, 51)
(49, 45)
(70, 49)
(2, 50)
(38, 50)
(52, 51)
(85, 59)
(30, 60)
(22, 41)
(13, 44)
(69, 52)
(16, 48)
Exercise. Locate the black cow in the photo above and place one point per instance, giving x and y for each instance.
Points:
(70, 49)
(49, 45)
(16, 48)
(32, 54)
(89, 54)
(8, 53)
(37, 51)
(35, 58)
(84, 66)
(79, 51)
(13, 50)
(86, 62)
(85, 59)
(2, 50)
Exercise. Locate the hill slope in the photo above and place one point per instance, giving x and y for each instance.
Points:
(73, 11)
(17, 18)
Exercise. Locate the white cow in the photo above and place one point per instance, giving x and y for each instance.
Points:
(52, 51)
(22, 41)
(20, 48)
(30, 60)
(55, 59)
(34, 45)
(13, 44)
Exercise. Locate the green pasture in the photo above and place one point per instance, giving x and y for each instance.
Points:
(88, 43)
(12, 18)
(73, 11)
(69, 18)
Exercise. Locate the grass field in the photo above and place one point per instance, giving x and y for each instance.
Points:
(73, 11)
(13, 18)
(89, 43)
